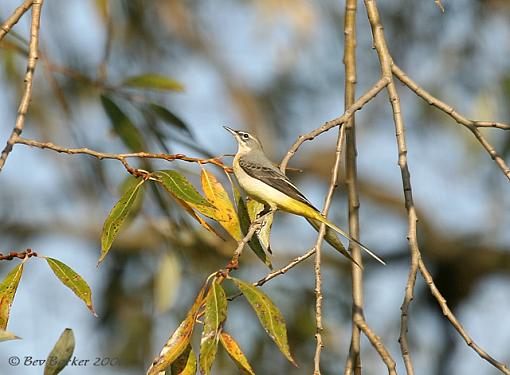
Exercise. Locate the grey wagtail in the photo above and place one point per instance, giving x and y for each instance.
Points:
(265, 183)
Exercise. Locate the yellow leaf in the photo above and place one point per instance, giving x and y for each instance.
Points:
(225, 212)
(179, 341)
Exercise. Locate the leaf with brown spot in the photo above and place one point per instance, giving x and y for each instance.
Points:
(180, 339)
(73, 281)
(235, 352)
(269, 316)
(7, 291)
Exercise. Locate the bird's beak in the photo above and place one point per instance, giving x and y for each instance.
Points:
(231, 131)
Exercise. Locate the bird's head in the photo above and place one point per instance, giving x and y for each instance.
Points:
(246, 141)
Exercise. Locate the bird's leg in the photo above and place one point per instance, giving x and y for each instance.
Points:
(267, 209)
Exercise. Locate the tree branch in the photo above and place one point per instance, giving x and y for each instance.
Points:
(356, 106)
(29, 76)
(14, 18)
(470, 124)
(353, 363)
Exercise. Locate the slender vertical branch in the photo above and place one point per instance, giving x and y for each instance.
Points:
(386, 63)
(318, 281)
(14, 18)
(29, 76)
(353, 363)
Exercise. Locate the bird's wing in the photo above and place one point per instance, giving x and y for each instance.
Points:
(273, 177)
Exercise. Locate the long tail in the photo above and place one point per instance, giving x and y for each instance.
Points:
(322, 219)
(331, 238)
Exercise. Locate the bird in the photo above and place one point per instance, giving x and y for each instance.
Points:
(267, 184)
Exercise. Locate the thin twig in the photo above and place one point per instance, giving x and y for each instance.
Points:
(353, 363)
(280, 271)
(385, 62)
(318, 246)
(470, 124)
(456, 324)
(121, 157)
(388, 67)
(364, 99)
(29, 76)
(14, 18)
(28, 253)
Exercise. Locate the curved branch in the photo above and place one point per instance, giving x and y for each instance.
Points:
(472, 125)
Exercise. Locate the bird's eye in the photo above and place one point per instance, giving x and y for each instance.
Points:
(245, 136)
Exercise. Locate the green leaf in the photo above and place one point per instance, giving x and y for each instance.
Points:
(73, 281)
(244, 220)
(127, 184)
(215, 315)
(185, 364)
(61, 353)
(179, 340)
(177, 185)
(116, 218)
(254, 208)
(6, 336)
(154, 82)
(7, 291)
(269, 316)
(235, 352)
(169, 118)
(122, 125)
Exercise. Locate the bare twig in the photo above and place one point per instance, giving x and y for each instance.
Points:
(318, 245)
(456, 324)
(357, 105)
(416, 262)
(353, 363)
(470, 124)
(14, 18)
(29, 76)
(121, 157)
(385, 62)
(25, 254)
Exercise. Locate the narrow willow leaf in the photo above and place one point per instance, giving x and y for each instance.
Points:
(194, 215)
(245, 222)
(73, 281)
(235, 352)
(269, 316)
(185, 364)
(116, 218)
(122, 125)
(225, 212)
(154, 82)
(169, 118)
(6, 336)
(254, 208)
(61, 353)
(215, 315)
(179, 340)
(127, 184)
(177, 185)
(7, 291)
